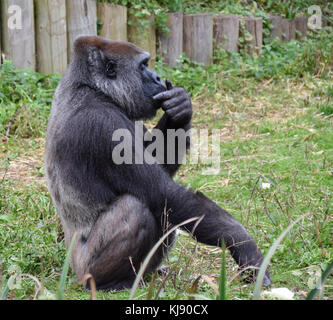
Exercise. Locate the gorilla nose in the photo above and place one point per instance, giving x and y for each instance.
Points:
(158, 80)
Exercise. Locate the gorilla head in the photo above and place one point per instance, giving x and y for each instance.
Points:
(120, 70)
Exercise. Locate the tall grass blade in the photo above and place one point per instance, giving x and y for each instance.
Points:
(62, 282)
(151, 287)
(92, 282)
(223, 276)
(267, 259)
(7, 287)
(152, 252)
(320, 283)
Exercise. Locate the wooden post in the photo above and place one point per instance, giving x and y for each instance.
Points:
(51, 36)
(276, 31)
(81, 20)
(226, 32)
(0, 38)
(288, 30)
(171, 45)
(143, 35)
(259, 37)
(198, 37)
(292, 29)
(301, 27)
(251, 31)
(114, 21)
(18, 32)
(285, 30)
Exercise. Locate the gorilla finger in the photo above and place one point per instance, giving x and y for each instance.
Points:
(168, 84)
(185, 115)
(179, 112)
(184, 105)
(173, 111)
(173, 103)
(176, 91)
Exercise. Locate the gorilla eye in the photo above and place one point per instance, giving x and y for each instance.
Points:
(111, 70)
(144, 64)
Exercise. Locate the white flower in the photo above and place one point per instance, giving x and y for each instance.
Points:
(279, 293)
(266, 185)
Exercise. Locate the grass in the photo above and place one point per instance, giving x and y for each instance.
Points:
(276, 166)
(277, 135)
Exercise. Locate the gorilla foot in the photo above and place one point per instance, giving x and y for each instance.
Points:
(250, 275)
(163, 270)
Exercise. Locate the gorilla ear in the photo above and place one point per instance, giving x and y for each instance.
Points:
(98, 61)
(111, 71)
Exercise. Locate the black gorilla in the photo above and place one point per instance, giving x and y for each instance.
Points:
(117, 209)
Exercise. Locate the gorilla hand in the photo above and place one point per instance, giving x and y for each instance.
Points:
(176, 103)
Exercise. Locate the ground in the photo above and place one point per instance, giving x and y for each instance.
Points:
(276, 165)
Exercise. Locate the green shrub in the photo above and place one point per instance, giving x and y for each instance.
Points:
(25, 100)
(293, 59)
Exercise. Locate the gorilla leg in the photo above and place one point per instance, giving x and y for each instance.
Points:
(218, 225)
(113, 250)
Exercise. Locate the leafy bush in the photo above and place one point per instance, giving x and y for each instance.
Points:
(285, 8)
(25, 100)
(293, 59)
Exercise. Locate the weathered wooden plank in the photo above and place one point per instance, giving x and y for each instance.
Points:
(259, 36)
(143, 35)
(0, 38)
(292, 29)
(276, 31)
(226, 32)
(300, 27)
(171, 45)
(285, 30)
(18, 32)
(114, 21)
(288, 30)
(51, 36)
(251, 32)
(198, 37)
(81, 20)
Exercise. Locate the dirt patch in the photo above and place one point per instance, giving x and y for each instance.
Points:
(25, 170)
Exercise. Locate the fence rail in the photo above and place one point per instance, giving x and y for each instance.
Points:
(39, 34)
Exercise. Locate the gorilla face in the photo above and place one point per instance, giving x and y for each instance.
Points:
(125, 78)
(152, 83)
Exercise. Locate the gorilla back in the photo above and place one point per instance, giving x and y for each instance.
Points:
(118, 210)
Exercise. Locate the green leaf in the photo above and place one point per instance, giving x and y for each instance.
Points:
(62, 282)
(6, 218)
(223, 276)
(320, 283)
(265, 263)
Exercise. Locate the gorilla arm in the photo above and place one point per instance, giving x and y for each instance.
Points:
(178, 114)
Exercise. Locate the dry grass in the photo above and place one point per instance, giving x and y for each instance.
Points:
(26, 169)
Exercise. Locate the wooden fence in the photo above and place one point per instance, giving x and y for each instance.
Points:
(39, 34)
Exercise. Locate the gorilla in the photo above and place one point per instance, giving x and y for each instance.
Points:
(118, 210)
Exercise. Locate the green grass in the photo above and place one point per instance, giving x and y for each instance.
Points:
(290, 148)
(276, 130)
